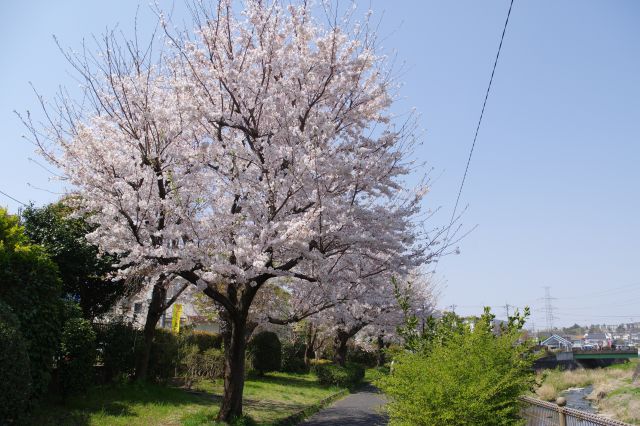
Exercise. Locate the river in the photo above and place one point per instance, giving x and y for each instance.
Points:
(576, 399)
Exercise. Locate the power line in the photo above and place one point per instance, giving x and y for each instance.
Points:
(484, 104)
(9, 196)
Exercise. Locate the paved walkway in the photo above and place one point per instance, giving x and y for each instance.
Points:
(363, 408)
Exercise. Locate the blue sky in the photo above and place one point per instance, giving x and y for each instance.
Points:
(553, 184)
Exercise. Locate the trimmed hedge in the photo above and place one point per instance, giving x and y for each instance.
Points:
(293, 358)
(205, 340)
(171, 354)
(265, 352)
(202, 365)
(77, 356)
(330, 374)
(15, 375)
(116, 348)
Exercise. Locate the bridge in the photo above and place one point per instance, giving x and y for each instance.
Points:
(589, 358)
(605, 353)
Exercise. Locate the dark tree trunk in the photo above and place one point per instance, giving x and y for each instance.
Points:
(235, 333)
(156, 308)
(380, 342)
(340, 356)
(310, 341)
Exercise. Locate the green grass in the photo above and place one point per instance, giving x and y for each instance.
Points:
(266, 399)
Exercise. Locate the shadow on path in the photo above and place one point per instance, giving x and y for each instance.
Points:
(363, 408)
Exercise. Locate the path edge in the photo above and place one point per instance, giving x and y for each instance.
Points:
(301, 415)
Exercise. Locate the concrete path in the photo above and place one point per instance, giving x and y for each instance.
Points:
(363, 408)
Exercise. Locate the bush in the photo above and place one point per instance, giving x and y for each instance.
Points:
(204, 340)
(29, 284)
(361, 356)
(330, 374)
(265, 352)
(116, 343)
(164, 359)
(77, 356)
(202, 365)
(15, 377)
(470, 377)
(293, 358)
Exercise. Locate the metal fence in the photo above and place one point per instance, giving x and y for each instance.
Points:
(543, 413)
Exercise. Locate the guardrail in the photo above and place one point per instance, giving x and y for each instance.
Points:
(542, 413)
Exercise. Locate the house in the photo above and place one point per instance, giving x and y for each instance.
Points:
(598, 339)
(133, 309)
(557, 342)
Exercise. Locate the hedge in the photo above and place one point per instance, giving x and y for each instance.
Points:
(330, 374)
(15, 376)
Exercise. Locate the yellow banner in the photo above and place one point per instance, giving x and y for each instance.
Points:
(175, 319)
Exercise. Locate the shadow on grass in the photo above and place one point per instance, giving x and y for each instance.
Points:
(116, 401)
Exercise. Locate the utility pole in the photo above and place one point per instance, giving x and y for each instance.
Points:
(453, 308)
(548, 308)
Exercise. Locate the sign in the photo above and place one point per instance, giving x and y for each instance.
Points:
(175, 319)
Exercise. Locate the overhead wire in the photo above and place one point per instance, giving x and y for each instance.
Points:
(14, 199)
(475, 136)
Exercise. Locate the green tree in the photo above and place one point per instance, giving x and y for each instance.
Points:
(15, 375)
(82, 269)
(29, 284)
(460, 372)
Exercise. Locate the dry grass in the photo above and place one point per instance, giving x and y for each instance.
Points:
(613, 391)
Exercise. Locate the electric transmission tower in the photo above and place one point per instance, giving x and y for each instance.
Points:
(548, 308)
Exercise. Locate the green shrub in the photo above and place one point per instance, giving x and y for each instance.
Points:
(77, 356)
(469, 377)
(29, 284)
(361, 356)
(116, 343)
(15, 377)
(202, 365)
(330, 374)
(205, 340)
(293, 358)
(164, 359)
(265, 352)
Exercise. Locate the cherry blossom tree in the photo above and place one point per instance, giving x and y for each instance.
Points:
(256, 149)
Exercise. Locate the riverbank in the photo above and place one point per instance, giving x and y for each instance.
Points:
(612, 393)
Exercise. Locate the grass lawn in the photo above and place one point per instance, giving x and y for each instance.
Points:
(267, 399)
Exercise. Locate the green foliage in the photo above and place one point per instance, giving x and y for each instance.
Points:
(82, 269)
(116, 343)
(265, 352)
(29, 284)
(363, 357)
(77, 356)
(204, 340)
(293, 358)
(461, 375)
(15, 376)
(164, 360)
(202, 365)
(330, 374)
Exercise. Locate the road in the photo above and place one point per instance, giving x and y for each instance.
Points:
(363, 408)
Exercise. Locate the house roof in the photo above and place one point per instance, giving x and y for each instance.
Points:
(555, 338)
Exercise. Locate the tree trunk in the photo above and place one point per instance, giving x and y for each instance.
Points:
(381, 359)
(156, 307)
(340, 356)
(234, 364)
(310, 341)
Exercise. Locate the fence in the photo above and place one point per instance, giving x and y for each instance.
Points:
(542, 413)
